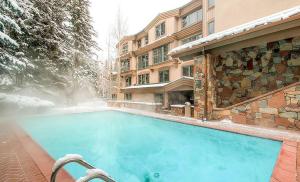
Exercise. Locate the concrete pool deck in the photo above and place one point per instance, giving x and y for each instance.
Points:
(21, 159)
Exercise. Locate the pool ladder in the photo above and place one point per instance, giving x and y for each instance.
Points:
(92, 172)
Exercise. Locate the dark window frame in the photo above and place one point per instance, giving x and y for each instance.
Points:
(128, 81)
(160, 30)
(160, 54)
(211, 3)
(190, 70)
(143, 61)
(190, 19)
(211, 31)
(144, 79)
(164, 76)
(128, 96)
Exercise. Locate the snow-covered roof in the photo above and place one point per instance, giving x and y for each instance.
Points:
(147, 86)
(157, 85)
(239, 29)
(133, 102)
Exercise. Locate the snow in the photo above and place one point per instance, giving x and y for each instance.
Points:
(148, 86)
(142, 103)
(24, 101)
(92, 174)
(14, 5)
(6, 38)
(93, 106)
(178, 105)
(11, 22)
(241, 28)
(4, 80)
(68, 157)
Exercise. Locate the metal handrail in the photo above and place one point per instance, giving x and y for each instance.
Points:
(60, 163)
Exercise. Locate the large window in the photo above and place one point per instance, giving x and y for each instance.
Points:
(125, 48)
(191, 39)
(188, 71)
(143, 61)
(143, 79)
(146, 40)
(114, 96)
(128, 81)
(125, 65)
(160, 30)
(211, 3)
(139, 43)
(159, 98)
(128, 96)
(160, 54)
(211, 27)
(192, 18)
(164, 76)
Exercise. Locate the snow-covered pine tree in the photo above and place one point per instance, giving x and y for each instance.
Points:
(82, 33)
(48, 42)
(12, 61)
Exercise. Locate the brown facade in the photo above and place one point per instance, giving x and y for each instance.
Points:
(229, 73)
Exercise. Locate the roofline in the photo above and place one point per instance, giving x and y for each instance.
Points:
(162, 15)
(204, 46)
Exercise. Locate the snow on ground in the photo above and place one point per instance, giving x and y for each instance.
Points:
(90, 106)
(24, 101)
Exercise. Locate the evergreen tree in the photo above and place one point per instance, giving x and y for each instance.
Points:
(82, 34)
(12, 60)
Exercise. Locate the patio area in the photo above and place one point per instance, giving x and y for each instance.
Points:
(22, 160)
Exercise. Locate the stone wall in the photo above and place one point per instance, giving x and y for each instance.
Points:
(253, 71)
(280, 109)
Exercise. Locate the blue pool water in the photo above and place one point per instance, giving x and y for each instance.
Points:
(134, 148)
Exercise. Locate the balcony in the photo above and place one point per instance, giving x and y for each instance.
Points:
(188, 31)
(127, 55)
(168, 63)
(159, 42)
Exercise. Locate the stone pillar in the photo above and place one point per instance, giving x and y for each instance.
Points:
(187, 110)
(166, 100)
(210, 87)
(199, 88)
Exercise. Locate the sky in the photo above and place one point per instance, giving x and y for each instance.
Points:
(137, 12)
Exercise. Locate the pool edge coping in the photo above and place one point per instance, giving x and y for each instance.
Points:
(39, 155)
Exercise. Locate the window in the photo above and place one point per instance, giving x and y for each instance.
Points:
(164, 76)
(160, 30)
(192, 18)
(188, 71)
(139, 43)
(160, 54)
(146, 40)
(191, 39)
(143, 61)
(125, 48)
(211, 27)
(125, 65)
(210, 3)
(128, 96)
(159, 98)
(114, 96)
(143, 79)
(128, 81)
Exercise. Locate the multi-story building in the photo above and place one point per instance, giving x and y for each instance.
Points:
(148, 74)
(230, 59)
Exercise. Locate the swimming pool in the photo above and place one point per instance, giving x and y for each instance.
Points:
(134, 148)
